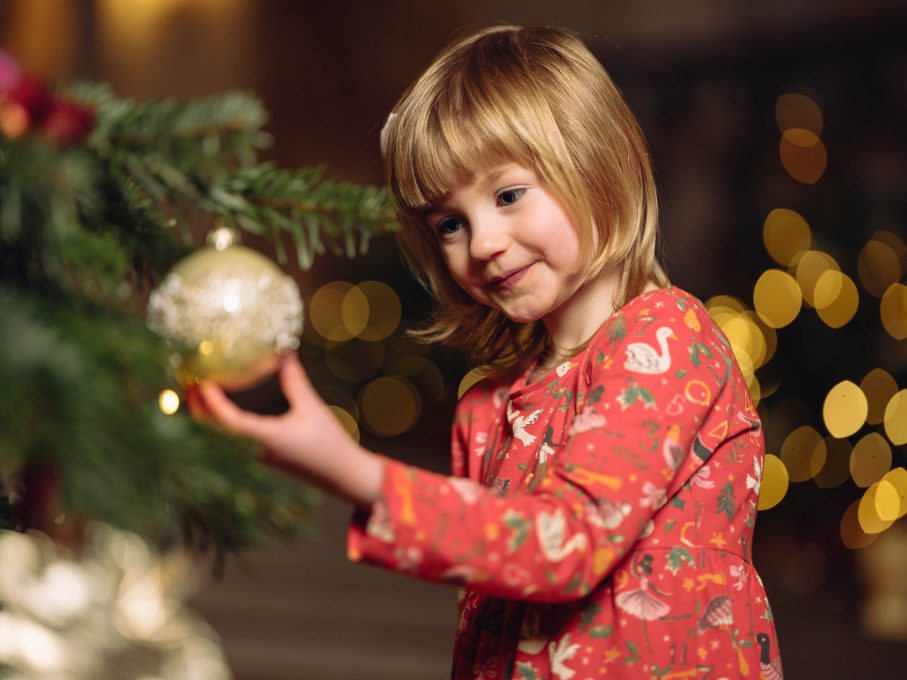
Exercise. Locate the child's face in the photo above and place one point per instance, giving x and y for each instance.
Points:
(508, 242)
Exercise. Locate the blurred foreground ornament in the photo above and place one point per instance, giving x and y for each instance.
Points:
(115, 610)
(228, 312)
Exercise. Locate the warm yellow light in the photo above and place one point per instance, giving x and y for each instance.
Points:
(867, 513)
(803, 453)
(803, 155)
(795, 110)
(887, 500)
(785, 234)
(879, 387)
(852, 534)
(897, 477)
(777, 298)
(774, 482)
(423, 373)
(169, 402)
(878, 266)
(389, 405)
(385, 310)
(354, 361)
(870, 460)
(347, 421)
(325, 311)
(810, 266)
(836, 298)
(845, 409)
(354, 311)
(894, 311)
(896, 418)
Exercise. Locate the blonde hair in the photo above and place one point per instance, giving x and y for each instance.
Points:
(539, 98)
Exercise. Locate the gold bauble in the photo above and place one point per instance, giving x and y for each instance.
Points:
(228, 312)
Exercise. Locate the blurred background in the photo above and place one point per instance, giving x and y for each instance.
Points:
(778, 138)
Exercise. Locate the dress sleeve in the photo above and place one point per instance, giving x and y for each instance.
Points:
(648, 386)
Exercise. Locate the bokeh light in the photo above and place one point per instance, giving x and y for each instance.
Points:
(879, 266)
(336, 396)
(169, 402)
(867, 512)
(471, 378)
(354, 311)
(389, 406)
(845, 409)
(895, 421)
(795, 110)
(355, 360)
(870, 460)
(803, 155)
(879, 387)
(894, 311)
(384, 310)
(852, 534)
(836, 298)
(836, 470)
(887, 500)
(803, 453)
(347, 421)
(786, 234)
(424, 374)
(897, 477)
(777, 298)
(325, 311)
(810, 266)
(774, 482)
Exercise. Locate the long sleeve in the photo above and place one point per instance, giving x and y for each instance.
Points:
(641, 398)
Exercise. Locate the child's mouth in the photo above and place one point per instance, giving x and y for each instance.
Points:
(508, 279)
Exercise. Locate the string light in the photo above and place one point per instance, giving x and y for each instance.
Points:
(845, 409)
(774, 482)
(870, 460)
(390, 405)
(895, 419)
(169, 402)
(777, 298)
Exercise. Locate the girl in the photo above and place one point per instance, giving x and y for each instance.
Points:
(605, 476)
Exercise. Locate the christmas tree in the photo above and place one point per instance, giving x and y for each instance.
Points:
(99, 196)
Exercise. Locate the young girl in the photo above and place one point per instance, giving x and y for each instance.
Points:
(605, 476)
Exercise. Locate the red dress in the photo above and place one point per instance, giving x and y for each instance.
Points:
(600, 519)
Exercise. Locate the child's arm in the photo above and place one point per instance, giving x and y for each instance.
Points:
(306, 441)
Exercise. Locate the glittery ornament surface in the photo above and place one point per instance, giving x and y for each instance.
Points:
(228, 312)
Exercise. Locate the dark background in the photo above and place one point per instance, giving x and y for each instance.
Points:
(703, 77)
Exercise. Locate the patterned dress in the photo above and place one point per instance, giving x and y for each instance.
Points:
(599, 519)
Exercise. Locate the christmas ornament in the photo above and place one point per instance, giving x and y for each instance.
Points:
(228, 312)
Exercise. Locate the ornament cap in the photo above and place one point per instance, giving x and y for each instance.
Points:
(222, 237)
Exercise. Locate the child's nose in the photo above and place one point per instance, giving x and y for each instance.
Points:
(488, 239)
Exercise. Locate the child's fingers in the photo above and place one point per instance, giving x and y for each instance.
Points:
(229, 414)
(196, 404)
(294, 382)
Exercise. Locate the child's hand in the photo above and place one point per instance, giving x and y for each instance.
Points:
(306, 440)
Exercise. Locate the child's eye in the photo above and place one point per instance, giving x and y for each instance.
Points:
(510, 196)
(449, 226)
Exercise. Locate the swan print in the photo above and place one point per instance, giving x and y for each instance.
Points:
(643, 358)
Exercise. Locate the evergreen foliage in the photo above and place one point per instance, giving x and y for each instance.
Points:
(92, 215)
